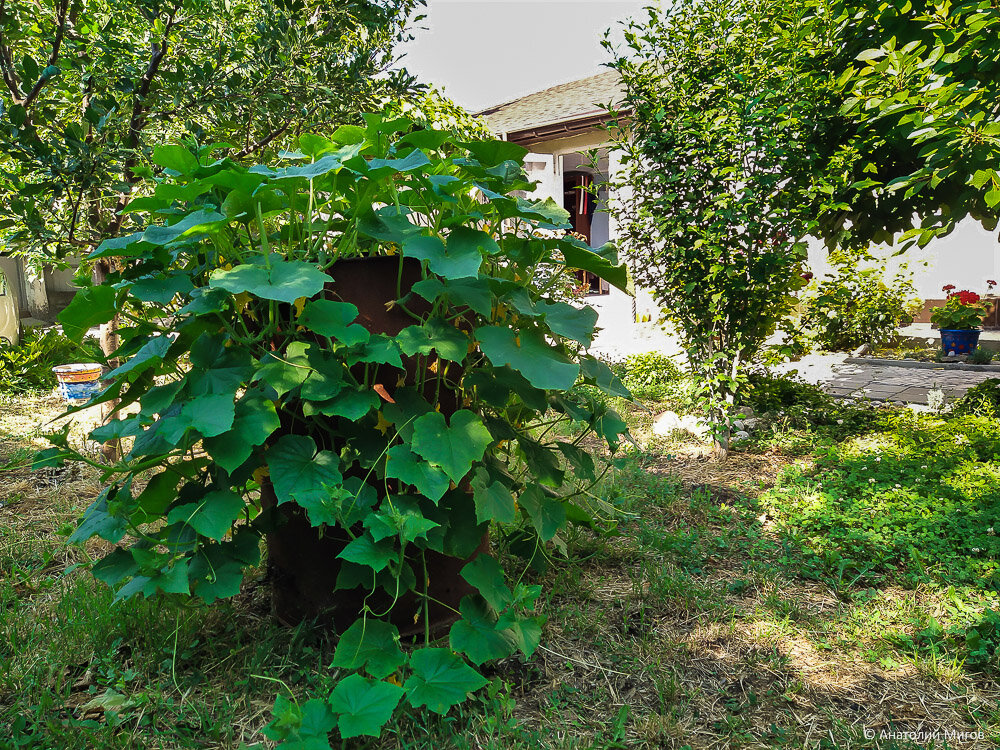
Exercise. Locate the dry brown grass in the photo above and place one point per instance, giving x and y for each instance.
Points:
(705, 677)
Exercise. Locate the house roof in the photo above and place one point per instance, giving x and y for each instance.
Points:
(574, 103)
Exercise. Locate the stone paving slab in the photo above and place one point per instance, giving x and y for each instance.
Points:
(841, 378)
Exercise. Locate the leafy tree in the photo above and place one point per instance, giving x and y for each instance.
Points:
(719, 161)
(758, 123)
(90, 86)
(919, 87)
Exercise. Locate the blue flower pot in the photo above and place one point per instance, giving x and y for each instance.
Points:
(959, 342)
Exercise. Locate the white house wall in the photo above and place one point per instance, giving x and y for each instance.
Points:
(11, 268)
(966, 258)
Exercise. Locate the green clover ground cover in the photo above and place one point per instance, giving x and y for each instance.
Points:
(918, 501)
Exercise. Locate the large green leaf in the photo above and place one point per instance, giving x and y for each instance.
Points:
(581, 257)
(547, 211)
(115, 567)
(571, 322)
(333, 319)
(291, 279)
(209, 415)
(300, 473)
(161, 290)
(256, 418)
(197, 221)
(212, 515)
(487, 576)
(430, 481)
(388, 224)
(493, 152)
(370, 644)
(453, 447)
(493, 501)
(89, 307)
(117, 429)
(466, 240)
(473, 293)
(529, 354)
(149, 354)
(526, 632)
(440, 679)
(547, 513)
(172, 580)
(475, 635)
(363, 706)
(284, 281)
(98, 521)
(597, 373)
(288, 371)
(349, 403)
(175, 157)
(451, 262)
(127, 246)
(434, 335)
(159, 493)
(366, 551)
(381, 350)
(239, 279)
(318, 168)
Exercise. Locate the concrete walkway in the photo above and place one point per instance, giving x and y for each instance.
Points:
(883, 382)
(832, 372)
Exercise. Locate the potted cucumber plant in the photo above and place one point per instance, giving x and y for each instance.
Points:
(357, 360)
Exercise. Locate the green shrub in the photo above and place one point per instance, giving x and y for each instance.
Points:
(649, 375)
(980, 356)
(28, 366)
(765, 392)
(856, 306)
(981, 400)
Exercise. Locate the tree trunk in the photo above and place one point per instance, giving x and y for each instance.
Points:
(111, 450)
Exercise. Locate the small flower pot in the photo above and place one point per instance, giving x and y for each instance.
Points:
(959, 342)
(79, 381)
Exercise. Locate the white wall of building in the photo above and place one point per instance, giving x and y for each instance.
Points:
(12, 270)
(967, 258)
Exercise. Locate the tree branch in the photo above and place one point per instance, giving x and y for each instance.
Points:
(263, 142)
(61, 10)
(10, 77)
(251, 148)
(137, 120)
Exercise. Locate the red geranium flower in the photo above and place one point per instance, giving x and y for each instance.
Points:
(947, 287)
(990, 282)
(967, 298)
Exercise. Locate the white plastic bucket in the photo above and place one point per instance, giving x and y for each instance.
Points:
(79, 381)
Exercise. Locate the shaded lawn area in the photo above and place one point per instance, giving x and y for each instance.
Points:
(780, 599)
